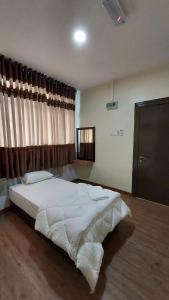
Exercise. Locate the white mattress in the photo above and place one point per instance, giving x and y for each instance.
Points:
(30, 196)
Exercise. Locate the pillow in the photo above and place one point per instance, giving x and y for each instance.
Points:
(37, 176)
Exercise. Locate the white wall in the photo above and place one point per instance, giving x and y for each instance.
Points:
(113, 166)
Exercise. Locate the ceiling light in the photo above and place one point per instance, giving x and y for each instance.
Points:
(79, 36)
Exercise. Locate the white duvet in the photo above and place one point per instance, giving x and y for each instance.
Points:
(79, 222)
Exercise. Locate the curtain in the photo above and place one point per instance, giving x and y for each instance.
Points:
(36, 120)
(86, 144)
(86, 135)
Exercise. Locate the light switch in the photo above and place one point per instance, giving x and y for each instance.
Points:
(118, 132)
(121, 132)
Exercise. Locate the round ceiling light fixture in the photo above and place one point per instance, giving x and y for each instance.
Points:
(79, 36)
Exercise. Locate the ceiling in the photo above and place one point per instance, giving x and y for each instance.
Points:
(39, 34)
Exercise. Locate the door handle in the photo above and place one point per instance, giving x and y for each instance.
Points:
(141, 158)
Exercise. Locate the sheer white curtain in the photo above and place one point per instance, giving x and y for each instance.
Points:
(86, 136)
(24, 122)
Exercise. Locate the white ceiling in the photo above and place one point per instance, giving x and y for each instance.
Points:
(39, 34)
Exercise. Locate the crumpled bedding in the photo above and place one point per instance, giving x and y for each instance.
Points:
(79, 223)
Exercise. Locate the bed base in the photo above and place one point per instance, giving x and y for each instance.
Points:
(21, 213)
(27, 218)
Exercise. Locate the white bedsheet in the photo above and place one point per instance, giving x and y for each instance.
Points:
(30, 196)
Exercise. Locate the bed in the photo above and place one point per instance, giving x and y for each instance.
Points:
(76, 217)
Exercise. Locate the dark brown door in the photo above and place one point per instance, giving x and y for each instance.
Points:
(151, 151)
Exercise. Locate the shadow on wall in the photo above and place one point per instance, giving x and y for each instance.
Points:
(4, 198)
(83, 168)
(68, 173)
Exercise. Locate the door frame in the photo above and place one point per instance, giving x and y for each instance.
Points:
(138, 106)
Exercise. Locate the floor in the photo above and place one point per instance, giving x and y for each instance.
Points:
(135, 264)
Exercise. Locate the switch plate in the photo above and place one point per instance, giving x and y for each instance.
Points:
(118, 132)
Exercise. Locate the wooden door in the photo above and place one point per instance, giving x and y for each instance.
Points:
(151, 151)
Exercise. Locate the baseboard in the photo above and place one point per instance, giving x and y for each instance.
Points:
(78, 180)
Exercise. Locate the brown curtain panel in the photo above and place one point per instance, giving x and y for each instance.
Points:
(36, 120)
